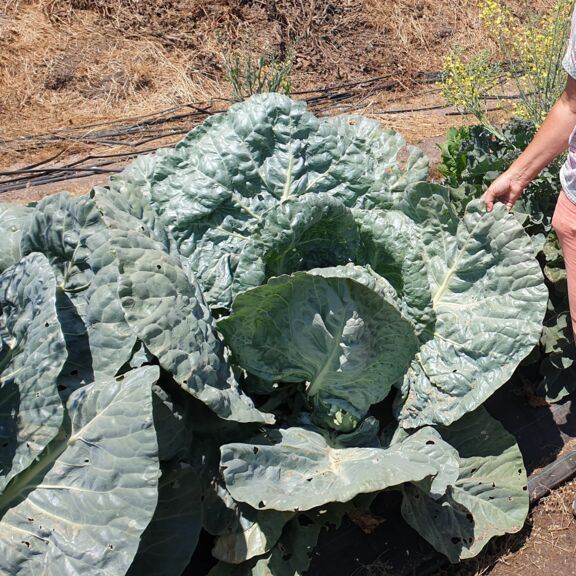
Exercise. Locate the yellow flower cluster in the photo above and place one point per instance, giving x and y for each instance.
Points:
(467, 81)
(530, 55)
(495, 14)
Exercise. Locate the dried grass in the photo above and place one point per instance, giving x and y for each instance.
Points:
(68, 62)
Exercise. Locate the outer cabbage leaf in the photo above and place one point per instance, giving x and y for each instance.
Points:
(32, 353)
(66, 230)
(345, 340)
(170, 539)
(488, 499)
(558, 368)
(303, 471)
(489, 299)
(165, 308)
(83, 504)
(72, 235)
(125, 206)
(13, 218)
(441, 454)
(173, 424)
(368, 165)
(258, 531)
(221, 510)
(215, 187)
(292, 554)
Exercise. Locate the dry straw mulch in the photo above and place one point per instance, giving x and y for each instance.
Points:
(71, 62)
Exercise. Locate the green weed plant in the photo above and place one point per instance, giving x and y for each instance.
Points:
(258, 73)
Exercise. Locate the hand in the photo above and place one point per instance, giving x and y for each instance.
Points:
(505, 189)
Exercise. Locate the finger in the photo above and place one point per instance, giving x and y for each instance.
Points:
(488, 198)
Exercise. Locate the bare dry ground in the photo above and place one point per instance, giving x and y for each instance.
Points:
(73, 62)
(67, 63)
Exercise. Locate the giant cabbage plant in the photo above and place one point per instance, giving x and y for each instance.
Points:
(245, 333)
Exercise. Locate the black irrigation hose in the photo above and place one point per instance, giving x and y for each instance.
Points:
(146, 129)
(41, 162)
(156, 118)
(144, 119)
(40, 181)
(62, 169)
(552, 476)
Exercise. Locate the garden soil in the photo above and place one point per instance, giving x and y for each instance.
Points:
(70, 63)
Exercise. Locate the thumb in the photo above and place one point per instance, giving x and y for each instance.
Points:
(489, 200)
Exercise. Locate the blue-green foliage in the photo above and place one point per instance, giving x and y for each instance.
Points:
(471, 159)
(130, 418)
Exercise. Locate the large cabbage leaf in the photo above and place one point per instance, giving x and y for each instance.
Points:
(83, 504)
(488, 300)
(170, 539)
(13, 218)
(302, 471)
(73, 236)
(488, 499)
(165, 308)
(392, 248)
(214, 189)
(343, 339)
(32, 354)
(126, 208)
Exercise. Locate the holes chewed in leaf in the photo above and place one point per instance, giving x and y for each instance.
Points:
(402, 158)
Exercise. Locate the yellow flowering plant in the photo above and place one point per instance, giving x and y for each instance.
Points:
(468, 81)
(530, 54)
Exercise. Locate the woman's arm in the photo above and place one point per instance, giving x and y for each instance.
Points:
(550, 140)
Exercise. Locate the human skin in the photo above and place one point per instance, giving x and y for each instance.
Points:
(550, 141)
